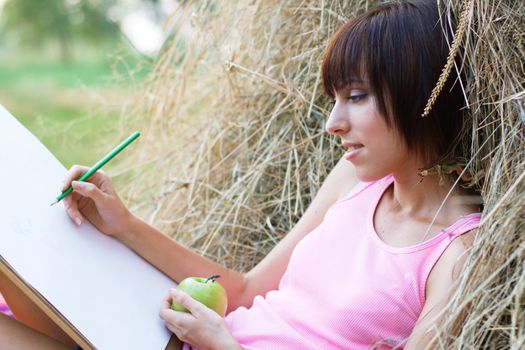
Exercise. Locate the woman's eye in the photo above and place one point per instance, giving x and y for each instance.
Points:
(356, 97)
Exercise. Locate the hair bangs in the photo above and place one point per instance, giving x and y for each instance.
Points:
(345, 60)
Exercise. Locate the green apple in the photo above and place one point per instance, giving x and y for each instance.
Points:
(205, 290)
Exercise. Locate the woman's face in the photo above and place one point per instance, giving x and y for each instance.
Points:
(374, 149)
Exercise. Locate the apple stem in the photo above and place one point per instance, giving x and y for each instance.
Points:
(212, 278)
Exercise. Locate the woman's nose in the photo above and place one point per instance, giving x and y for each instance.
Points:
(338, 122)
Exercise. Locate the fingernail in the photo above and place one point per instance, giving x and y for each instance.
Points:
(78, 221)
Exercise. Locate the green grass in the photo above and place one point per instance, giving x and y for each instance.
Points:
(60, 102)
(23, 69)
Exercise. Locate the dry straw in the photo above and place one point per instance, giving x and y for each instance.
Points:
(234, 149)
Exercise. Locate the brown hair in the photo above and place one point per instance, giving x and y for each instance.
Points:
(399, 49)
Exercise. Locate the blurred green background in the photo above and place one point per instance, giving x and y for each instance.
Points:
(68, 66)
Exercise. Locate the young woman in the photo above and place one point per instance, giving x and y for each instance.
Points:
(373, 261)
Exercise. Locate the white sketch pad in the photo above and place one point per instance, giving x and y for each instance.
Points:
(110, 294)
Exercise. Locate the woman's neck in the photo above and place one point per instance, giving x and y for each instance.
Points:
(413, 194)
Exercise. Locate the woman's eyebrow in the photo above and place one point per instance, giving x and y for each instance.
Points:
(355, 84)
(357, 81)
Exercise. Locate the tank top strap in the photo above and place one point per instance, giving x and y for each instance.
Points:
(462, 226)
(361, 186)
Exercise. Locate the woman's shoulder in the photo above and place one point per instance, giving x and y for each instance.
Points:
(463, 213)
(463, 234)
(340, 181)
(450, 264)
(361, 186)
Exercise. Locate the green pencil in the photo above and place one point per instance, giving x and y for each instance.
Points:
(99, 165)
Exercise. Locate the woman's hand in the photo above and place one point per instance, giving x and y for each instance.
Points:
(201, 327)
(95, 200)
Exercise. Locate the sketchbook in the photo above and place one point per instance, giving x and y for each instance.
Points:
(97, 290)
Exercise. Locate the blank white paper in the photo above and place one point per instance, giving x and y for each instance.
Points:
(109, 293)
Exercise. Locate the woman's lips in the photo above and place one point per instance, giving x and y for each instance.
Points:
(353, 151)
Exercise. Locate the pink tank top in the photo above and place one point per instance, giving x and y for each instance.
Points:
(344, 288)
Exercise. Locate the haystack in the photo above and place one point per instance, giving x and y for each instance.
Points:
(234, 147)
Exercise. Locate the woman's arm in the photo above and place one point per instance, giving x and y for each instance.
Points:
(99, 202)
(175, 260)
(178, 262)
(439, 290)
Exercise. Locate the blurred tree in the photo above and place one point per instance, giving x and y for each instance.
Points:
(62, 21)
(94, 24)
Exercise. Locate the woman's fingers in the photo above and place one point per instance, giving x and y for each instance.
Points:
(74, 173)
(99, 178)
(181, 319)
(170, 318)
(173, 329)
(193, 306)
(87, 189)
(72, 210)
(176, 320)
(166, 303)
(198, 327)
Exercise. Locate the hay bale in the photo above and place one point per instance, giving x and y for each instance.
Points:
(234, 146)
(236, 121)
(488, 309)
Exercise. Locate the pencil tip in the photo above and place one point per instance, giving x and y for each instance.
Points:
(55, 202)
